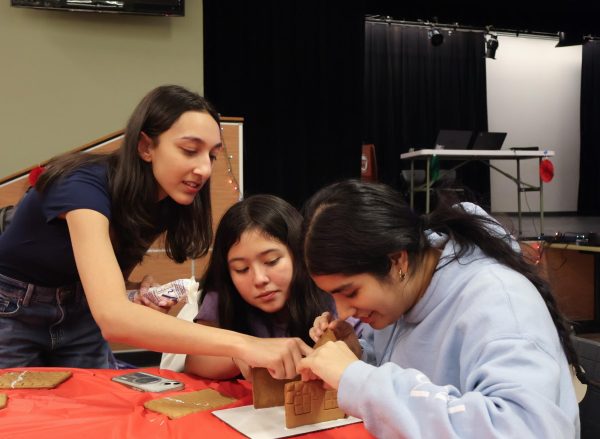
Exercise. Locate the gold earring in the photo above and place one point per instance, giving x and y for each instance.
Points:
(402, 275)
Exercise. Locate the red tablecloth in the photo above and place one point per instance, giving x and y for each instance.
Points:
(89, 405)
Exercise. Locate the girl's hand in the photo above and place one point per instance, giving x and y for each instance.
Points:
(148, 281)
(327, 363)
(245, 370)
(280, 356)
(320, 324)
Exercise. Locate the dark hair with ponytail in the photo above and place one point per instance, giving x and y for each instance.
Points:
(133, 188)
(352, 227)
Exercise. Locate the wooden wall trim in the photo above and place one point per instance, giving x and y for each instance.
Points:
(87, 146)
(90, 145)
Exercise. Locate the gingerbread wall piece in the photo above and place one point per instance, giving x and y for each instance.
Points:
(266, 390)
(3, 399)
(305, 402)
(309, 403)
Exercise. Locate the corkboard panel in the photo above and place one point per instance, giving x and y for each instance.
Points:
(227, 171)
(163, 269)
(11, 193)
(570, 273)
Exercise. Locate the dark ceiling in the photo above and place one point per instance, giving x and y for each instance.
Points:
(540, 17)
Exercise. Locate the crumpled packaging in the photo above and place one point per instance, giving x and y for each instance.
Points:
(180, 290)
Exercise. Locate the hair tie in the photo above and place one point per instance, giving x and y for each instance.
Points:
(34, 174)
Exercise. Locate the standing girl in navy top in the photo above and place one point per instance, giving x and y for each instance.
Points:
(256, 282)
(74, 238)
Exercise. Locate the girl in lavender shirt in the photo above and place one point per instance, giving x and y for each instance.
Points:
(256, 282)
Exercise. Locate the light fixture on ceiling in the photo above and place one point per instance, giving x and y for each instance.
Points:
(569, 39)
(491, 44)
(435, 36)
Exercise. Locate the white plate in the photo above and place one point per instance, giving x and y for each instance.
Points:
(269, 423)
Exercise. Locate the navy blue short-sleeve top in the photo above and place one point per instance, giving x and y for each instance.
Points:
(36, 247)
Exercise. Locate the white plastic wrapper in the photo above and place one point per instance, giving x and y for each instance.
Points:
(180, 290)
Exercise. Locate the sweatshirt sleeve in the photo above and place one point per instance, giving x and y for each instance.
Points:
(502, 398)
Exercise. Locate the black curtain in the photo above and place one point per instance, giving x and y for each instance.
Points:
(293, 70)
(589, 177)
(413, 89)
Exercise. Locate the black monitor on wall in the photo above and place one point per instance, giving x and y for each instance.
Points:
(174, 8)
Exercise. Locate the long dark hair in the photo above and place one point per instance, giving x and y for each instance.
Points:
(133, 188)
(352, 227)
(277, 219)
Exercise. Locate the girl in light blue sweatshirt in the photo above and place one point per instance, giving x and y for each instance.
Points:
(464, 339)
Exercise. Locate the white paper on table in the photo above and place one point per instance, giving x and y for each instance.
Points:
(269, 423)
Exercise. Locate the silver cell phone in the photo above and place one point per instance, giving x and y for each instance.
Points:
(147, 382)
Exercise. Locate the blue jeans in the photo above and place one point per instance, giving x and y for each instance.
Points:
(44, 326)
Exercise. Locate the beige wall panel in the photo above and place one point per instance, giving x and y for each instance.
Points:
(68, 77)
(571, 274)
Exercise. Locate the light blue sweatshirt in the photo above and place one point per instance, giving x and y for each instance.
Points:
(477, 357)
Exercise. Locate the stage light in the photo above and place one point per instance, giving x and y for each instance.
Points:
(435, 36)
(491, 45)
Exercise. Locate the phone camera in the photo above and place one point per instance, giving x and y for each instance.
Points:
(146, 380)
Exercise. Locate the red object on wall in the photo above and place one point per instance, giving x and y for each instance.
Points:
(368, 163)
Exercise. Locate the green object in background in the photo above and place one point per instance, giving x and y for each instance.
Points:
(434, 169)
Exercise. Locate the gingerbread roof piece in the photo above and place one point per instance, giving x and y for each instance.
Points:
(182, 404)
(328, 335)
(33, 379)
